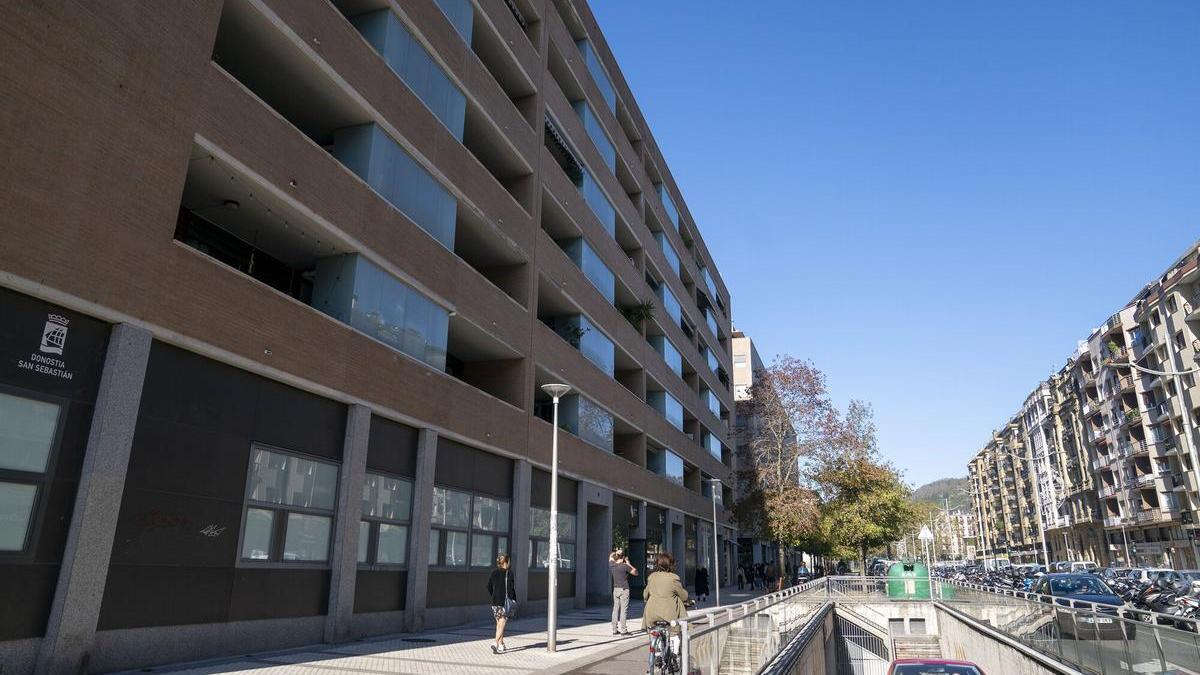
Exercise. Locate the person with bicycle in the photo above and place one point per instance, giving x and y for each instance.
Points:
(666, 601)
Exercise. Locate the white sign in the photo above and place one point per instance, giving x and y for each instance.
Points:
(925, 535)
(53, 341)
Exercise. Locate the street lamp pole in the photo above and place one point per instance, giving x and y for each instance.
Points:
(556, 391)
(713, 483)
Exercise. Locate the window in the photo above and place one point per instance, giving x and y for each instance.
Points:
(371, 153)
(665, 348)
(415, 67)
(592, 61)
(386, 513)
(1180, 342)
(667, 406)
(354, 291)
(593, 268)
(467, 529)
(28, 435)
(539, 539)
(587, 420)
(290, 503)
(1171, 304)
(668, 250)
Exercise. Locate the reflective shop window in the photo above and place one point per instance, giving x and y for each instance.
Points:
(467, 529)
(539, 539)
(356, 292)
(28, 432)
(461, 15)
(587, 420)
(667, 406)
(662, 344)
(291, 492)
(386, 513)
(668, 251)
(368, 151)
(596, 132)
(404, 54)
(581, 253)
(592, 61)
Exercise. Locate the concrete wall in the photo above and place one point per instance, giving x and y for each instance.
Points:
(967, 640)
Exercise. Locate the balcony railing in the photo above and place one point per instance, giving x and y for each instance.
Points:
(1112, 521)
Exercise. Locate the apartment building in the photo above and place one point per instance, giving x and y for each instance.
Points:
(1115, 463)
(1004, 494)
(260, 257)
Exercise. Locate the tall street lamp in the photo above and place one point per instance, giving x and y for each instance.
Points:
(556, 391)
(714, 485)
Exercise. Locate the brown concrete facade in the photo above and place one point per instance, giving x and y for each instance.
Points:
(110, 110)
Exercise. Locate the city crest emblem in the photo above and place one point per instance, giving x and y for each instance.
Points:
(54, 334)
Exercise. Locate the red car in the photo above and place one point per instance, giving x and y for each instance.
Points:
(933, 667)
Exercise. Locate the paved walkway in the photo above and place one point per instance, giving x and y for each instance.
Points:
(584, 638)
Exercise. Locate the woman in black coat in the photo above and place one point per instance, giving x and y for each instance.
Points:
(702, 584)
(504, 599)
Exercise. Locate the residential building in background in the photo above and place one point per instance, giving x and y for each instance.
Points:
(281, 283)
(1104, 452)
(746, 365)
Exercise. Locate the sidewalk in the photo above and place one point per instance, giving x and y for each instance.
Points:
(584, 638)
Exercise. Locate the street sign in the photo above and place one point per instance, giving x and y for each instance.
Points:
(925, 535)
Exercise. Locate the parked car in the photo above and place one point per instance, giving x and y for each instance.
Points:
(933, 667)
(1097, 618)
(1144, 575)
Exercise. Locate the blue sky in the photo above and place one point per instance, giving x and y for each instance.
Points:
(931, 199)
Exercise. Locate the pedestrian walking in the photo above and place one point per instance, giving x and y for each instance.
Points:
(702, 584)
(665, 598)
(504, 599)
(620, 569)
(741, 577)
(769, 575)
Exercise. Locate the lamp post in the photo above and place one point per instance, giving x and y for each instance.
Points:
(713, 485)
(556, 391)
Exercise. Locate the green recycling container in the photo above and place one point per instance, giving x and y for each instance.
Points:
(908, 580)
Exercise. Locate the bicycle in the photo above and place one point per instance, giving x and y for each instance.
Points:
(664, 660)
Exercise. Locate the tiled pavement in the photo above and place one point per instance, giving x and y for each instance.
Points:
(585, 642)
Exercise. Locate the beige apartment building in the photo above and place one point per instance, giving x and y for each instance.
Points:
(1113, 462)
(281, 283)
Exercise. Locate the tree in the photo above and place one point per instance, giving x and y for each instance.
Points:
(865, 504)
(785, 419)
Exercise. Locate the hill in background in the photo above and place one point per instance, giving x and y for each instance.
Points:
(954, 489)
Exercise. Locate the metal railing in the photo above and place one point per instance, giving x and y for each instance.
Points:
(748, 636)
(1096, 637)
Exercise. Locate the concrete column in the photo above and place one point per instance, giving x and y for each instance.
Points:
(422, 512)
(518, 544)
(344, 561)
(76, 605)
(581, 545)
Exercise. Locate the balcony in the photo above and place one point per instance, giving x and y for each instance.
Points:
(1145, 478)
(1107, 491)
(1125, 383)
(1155, 516)
(1112, 521)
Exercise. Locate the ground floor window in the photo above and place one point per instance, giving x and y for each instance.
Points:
(386, 514)
(539, 539)
(290, 504)
(468, 530)
(28, 436)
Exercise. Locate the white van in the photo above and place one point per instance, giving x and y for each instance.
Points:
(1083, 566)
